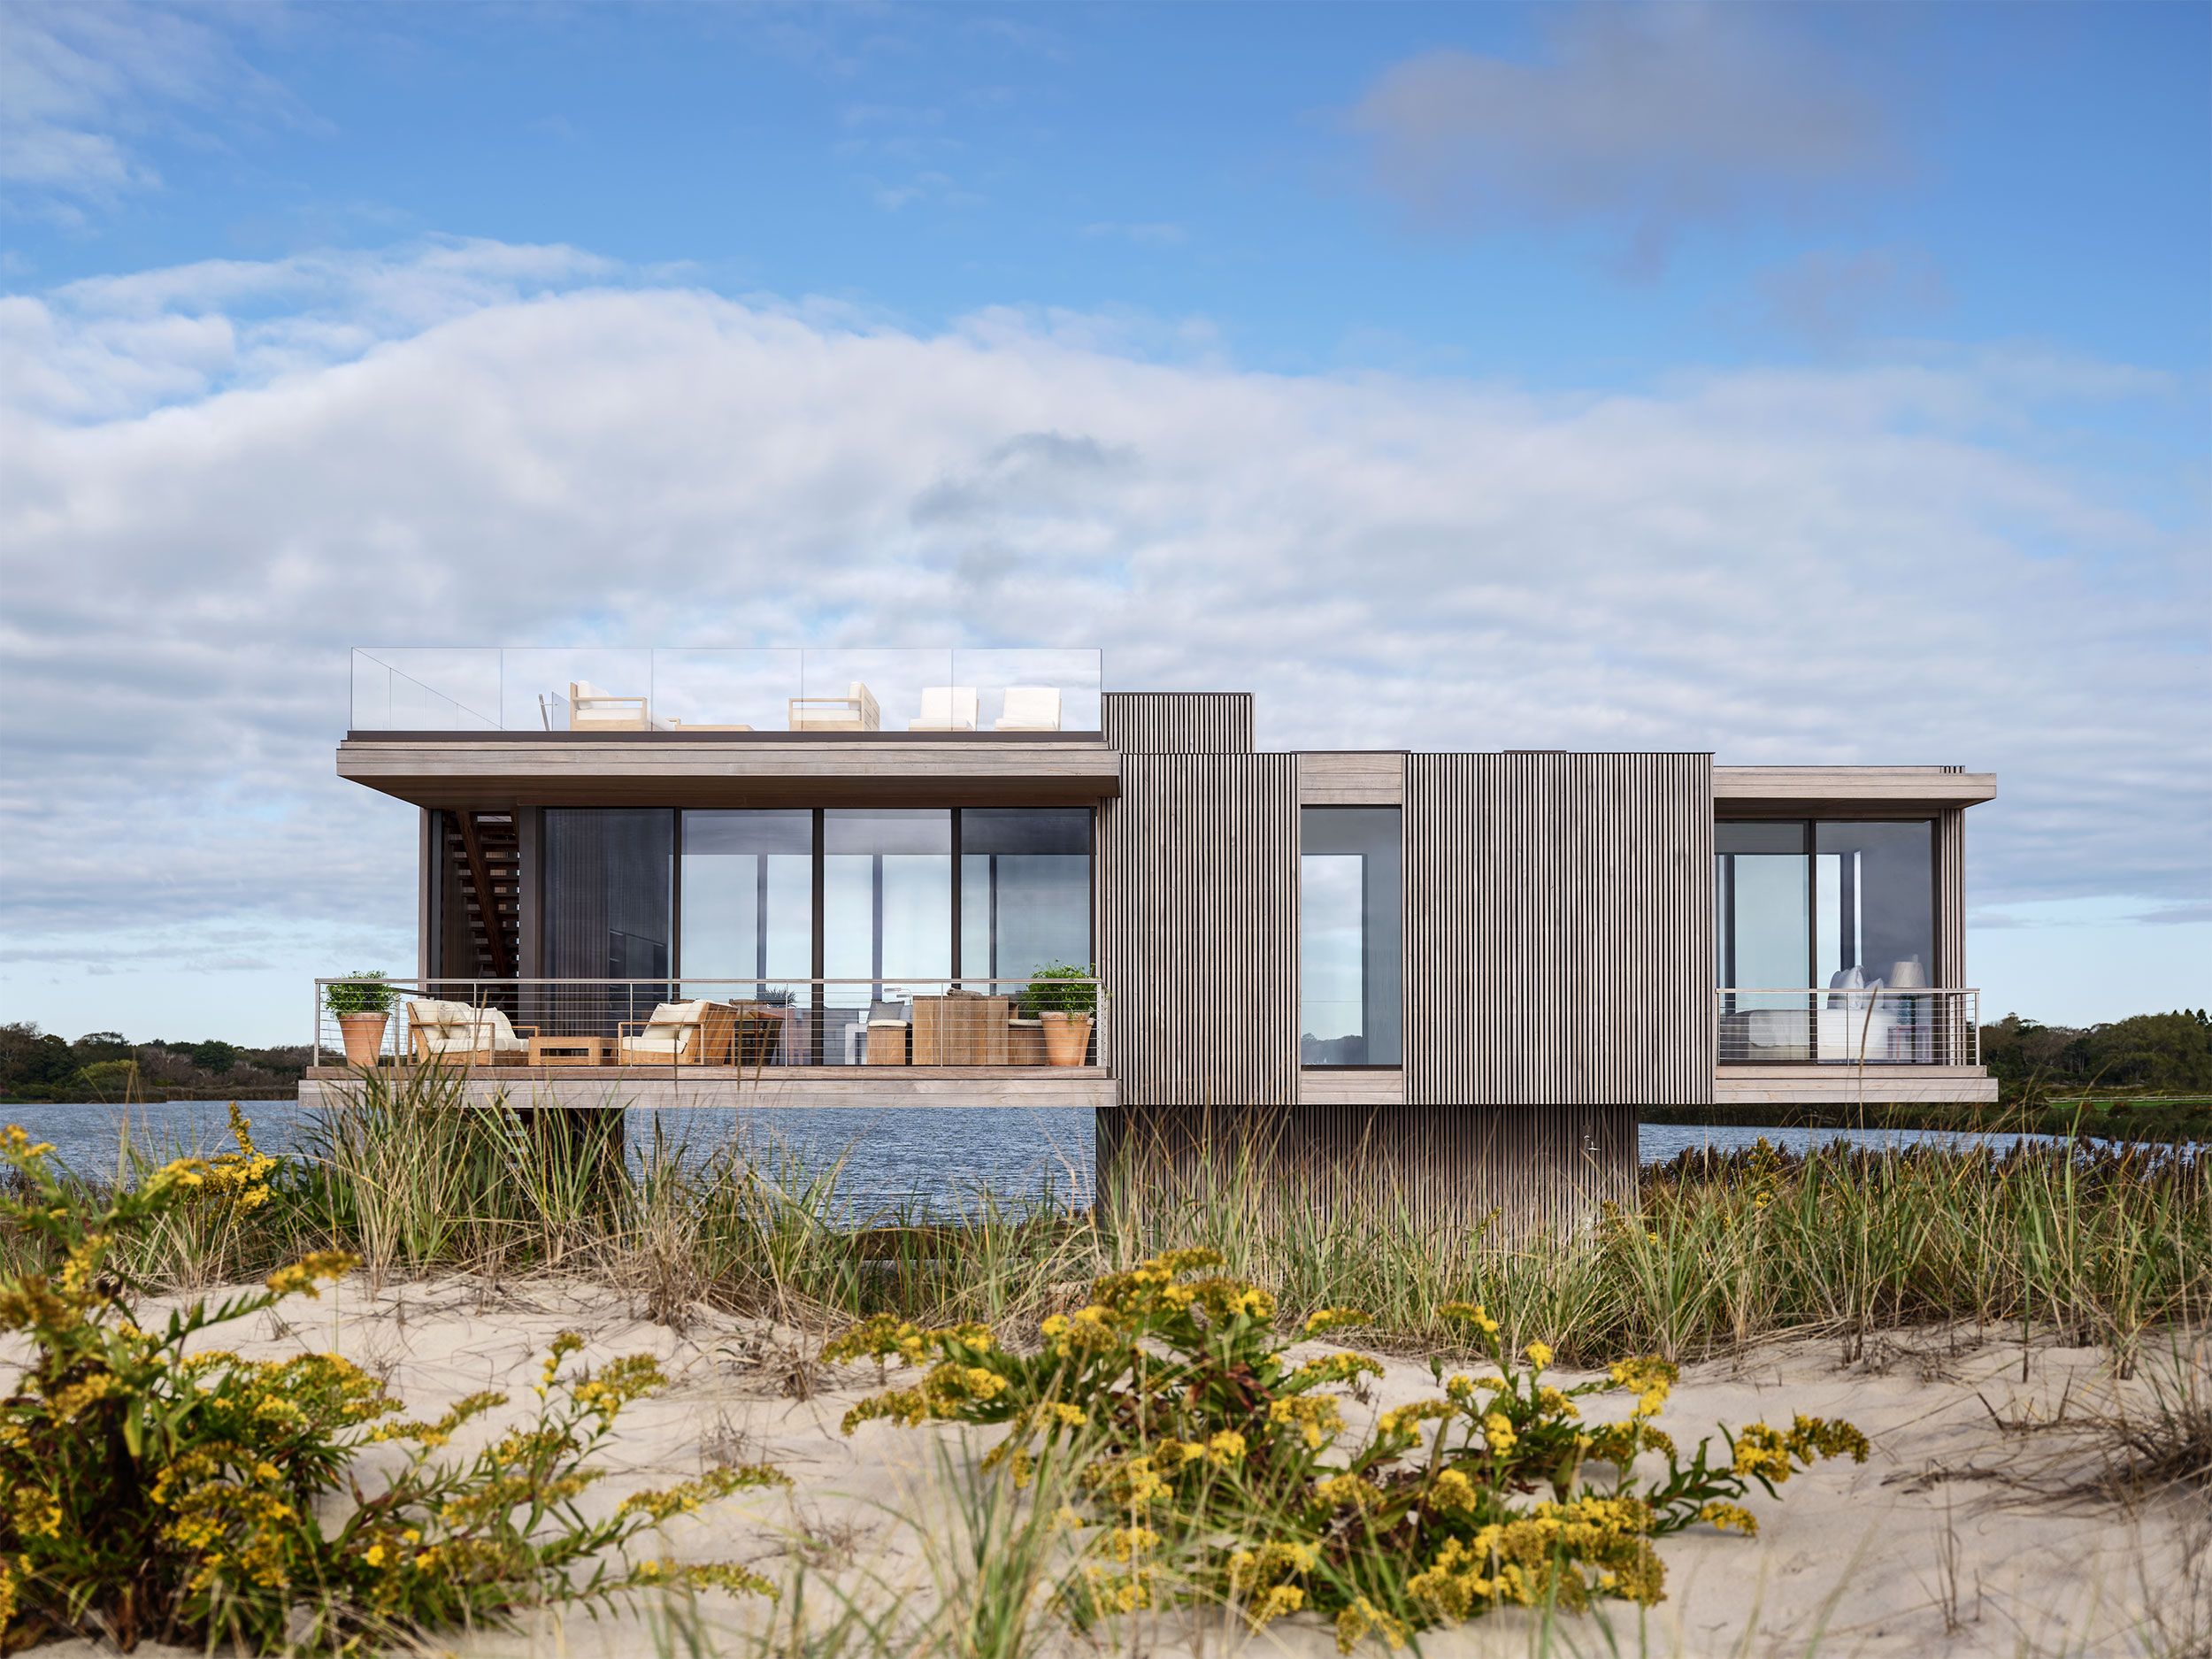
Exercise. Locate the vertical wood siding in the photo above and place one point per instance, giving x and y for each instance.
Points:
(1177, 722)
(1449, 1168)
(1559, 929)
(1198, 927)
(1951, 897)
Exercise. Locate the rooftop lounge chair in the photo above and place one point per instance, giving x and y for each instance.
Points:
(947, 709)
(1031, 709)
(440, 1030)
(592, 710)
(855, 711)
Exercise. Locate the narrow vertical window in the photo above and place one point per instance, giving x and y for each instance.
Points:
(1349, 929)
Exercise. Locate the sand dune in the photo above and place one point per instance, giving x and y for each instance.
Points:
(1945, 1541)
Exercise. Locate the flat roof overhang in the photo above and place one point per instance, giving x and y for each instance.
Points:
(1855, 791)
(502, 769)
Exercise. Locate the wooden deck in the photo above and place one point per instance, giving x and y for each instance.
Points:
(1844, 1086)
(755, 1088)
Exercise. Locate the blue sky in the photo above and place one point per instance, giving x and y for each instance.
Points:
(1803, 383)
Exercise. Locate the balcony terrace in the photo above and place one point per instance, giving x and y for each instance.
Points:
(811, 1042)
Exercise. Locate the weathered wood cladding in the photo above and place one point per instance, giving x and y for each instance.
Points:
(1539, 1167)
(1559, 930)
(1177, 722)
(1950, 832)
(1353, 778)
(1198, 927)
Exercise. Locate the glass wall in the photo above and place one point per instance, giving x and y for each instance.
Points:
(1349, 929)
(1762, 894)
(1024, 891)
(609, 909)
(897, 902)
(749, 895)
(1876, 910)
(1803, 905)
(1807, 915)
(887, 893)
(610, 892)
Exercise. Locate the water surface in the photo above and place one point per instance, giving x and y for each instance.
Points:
(943, 1156)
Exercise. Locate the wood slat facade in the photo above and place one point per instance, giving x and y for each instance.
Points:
(1561, 948)
(1950, 963)
(1197, 882)
(1523, 1170)
(1352, 778)
(1177, 722)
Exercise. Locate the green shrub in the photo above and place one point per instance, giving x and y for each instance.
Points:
(1209, 1460)
(1063, 989)
(147, 1492)
(362, 994)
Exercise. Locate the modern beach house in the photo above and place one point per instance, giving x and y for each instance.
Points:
(972, 879)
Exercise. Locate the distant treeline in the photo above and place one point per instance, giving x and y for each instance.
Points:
(2158, 1053)
(104, 1066)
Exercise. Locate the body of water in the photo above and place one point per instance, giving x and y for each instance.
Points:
(887, 1157)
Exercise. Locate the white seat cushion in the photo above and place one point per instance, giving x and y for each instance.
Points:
(1031, 709)
(679, 1013)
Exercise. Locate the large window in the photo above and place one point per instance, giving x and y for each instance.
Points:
(1348, 936)
(608, 893)
(609, 910)
(1024, 891)
(887, 894)
(889, 899)
(1813, 918)
(749, 895)
(1808, 904)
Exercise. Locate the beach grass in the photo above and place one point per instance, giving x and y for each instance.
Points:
(1717, 1251)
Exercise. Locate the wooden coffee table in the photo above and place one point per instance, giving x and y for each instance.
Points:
(571, 1050)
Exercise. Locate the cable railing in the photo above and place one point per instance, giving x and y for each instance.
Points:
(749, 1025)
(1849, 1025)
(606, 690)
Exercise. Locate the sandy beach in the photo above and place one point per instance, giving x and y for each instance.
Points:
(1953, 1538)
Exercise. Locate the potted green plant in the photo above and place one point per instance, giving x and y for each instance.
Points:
(1063, 999)
(364, 1006)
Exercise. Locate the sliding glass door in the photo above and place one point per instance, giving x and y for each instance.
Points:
(748, 896)
(1024, 891)
(1825, 938)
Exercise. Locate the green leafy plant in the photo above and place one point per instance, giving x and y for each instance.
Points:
(362, 994)
(147, 1491)
(1211, 1461)
(1060, 990)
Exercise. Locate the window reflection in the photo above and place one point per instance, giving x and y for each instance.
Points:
(1024, 891)
(1348, 936)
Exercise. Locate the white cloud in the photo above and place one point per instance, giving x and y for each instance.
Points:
(1640, 119)
(84, 82)
(218, 479)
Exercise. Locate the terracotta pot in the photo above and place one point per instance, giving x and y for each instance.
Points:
(1067, 1038)
(364, 1035)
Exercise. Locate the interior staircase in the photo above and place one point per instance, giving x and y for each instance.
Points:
(486, 857)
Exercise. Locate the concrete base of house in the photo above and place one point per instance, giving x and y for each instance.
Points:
(1848, 1085)
(756, 1088)
(1520, 1169)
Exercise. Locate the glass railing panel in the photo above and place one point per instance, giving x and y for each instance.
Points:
(713, 689)
(915, 1021)
(576, 688)
(614, 689)
(878, 691)
(425, 688)
(1022, 688)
